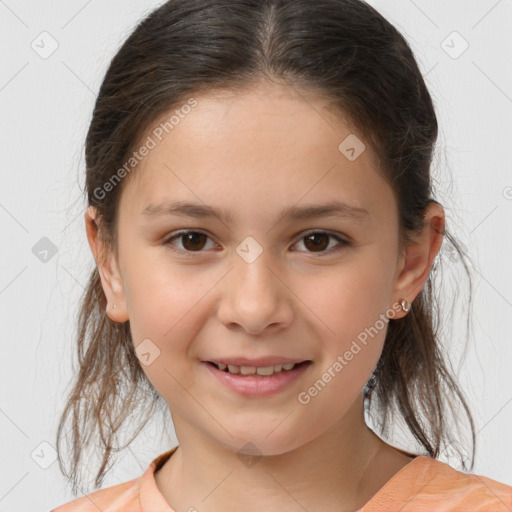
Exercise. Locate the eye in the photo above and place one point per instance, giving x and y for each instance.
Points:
(319, 240)
(314, 241)
(193, 241)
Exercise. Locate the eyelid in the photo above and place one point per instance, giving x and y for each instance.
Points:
(176, 234)
(343, 240)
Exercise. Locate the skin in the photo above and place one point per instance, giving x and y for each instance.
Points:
(252, 153)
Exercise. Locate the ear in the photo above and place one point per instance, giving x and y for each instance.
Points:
(415, 265)
(111, 279)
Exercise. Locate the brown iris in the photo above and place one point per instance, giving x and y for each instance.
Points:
(190, 239)
(316, 244)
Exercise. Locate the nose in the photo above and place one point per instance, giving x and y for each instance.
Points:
(255, 297)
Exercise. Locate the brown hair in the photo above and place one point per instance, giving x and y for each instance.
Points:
(342, 49)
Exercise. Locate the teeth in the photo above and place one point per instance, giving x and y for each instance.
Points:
(252, 370)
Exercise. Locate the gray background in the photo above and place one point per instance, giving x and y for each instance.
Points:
(46, 104)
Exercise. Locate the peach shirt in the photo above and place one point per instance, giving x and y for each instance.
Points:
(423, 485)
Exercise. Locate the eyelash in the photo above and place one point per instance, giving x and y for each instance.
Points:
(342, 242)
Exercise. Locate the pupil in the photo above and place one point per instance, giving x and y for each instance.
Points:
(316, 244)
(192, 237)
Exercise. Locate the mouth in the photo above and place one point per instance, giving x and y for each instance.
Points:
(270, 376)
(258, 371)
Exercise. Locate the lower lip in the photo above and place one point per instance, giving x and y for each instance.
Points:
(261, 385)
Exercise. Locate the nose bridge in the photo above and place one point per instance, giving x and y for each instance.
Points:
(253, 280)
(254, 297)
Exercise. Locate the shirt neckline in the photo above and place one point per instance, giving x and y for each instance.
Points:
(387, 489)
(151, 498)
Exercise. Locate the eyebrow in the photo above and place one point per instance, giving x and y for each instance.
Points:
(335, 209)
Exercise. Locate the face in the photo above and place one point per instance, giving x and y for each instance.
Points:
(255, 282)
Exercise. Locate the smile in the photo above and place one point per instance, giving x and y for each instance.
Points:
(255, 370)
(252, 381)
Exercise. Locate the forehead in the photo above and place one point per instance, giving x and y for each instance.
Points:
(260, 147)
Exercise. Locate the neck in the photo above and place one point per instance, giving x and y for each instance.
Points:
(339, 471)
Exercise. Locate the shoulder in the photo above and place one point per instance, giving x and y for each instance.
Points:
(445, 488)
(118, 498)
(475, 492)
(135, 495)
(428, 484)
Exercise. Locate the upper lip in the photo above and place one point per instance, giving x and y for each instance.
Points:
(256, 362)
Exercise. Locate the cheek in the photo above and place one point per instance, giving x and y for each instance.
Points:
(354, 305)
(352, 302)
(166, 314)
(160, 295)
(352, 297)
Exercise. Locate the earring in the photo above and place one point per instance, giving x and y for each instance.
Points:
(405, 305)
(113, 307)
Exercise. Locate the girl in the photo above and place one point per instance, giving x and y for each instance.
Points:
(261, 213)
